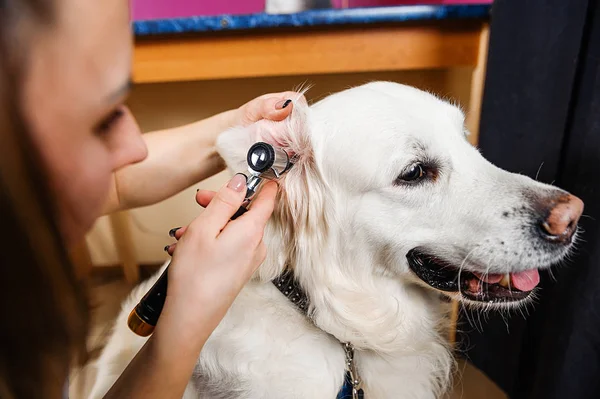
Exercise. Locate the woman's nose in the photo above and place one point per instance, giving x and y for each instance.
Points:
(129, 145)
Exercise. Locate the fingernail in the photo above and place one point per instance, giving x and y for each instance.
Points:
(282, 104)
(238, 183)
(166, 248)
(197, 189)
(173, 231)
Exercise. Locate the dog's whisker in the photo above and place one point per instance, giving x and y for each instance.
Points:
(466, 312)
(489, 262)
(520, 310)
(461, 267)
(539, 170)
(479, 320)
(503, 316)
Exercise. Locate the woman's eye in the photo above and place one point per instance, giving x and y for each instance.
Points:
(413, 174)
(108, 123)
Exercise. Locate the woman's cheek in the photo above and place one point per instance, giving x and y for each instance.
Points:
(85, 186)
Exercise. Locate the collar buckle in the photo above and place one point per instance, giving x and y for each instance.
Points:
(355, 381)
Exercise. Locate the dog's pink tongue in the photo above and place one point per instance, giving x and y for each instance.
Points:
(489, 278)
(525, 281)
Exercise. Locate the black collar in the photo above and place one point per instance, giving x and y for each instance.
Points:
(287, 284)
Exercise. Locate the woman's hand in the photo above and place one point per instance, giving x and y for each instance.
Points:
(213, 259)
(181, 157)
(272, 106)
(203, 198)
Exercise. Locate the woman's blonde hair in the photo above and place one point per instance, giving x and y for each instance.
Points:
(43, 307)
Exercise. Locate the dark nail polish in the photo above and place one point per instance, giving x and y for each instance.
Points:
(166, 248)
(173, 231)
(282, 104)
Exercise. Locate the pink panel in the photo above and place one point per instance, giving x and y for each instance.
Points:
(156, 9)
(376, 3)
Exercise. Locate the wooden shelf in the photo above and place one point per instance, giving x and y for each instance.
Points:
(334, 50)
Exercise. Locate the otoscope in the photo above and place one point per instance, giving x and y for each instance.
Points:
(265, 162)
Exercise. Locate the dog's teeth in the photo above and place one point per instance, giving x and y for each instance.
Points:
(505, 282)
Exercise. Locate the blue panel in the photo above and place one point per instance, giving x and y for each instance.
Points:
(328, 17)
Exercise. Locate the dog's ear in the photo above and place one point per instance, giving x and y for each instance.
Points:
(291, 134)
(300, 214)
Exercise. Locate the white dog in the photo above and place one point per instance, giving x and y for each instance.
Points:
(386, 207)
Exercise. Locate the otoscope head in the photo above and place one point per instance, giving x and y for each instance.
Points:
(268, 161)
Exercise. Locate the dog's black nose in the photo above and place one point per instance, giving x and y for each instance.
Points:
(562, 218)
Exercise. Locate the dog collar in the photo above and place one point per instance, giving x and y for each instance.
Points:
(286, 283)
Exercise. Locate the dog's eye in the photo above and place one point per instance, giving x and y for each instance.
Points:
(413, 174)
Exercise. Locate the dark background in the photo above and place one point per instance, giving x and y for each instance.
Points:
(542, 105)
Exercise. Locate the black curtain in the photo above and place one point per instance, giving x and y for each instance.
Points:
(541, 106)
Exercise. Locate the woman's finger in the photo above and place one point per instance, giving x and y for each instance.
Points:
(274, 109)
(203, 197)
(264, 203)
(274, 106)
(253, 222)
(223, 206)
(170, 249)
(177, 232)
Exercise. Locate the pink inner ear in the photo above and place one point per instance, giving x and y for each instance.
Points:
(274, 133)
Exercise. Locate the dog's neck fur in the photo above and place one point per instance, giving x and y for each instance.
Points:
(376, 313)
(347, 298)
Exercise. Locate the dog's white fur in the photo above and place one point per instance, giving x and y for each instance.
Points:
(345, 228)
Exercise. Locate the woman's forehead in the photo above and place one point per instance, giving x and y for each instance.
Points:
(90, 47)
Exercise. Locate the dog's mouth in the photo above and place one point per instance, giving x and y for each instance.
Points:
(495, 288)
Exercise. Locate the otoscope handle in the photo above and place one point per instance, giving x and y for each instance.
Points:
(143, 318)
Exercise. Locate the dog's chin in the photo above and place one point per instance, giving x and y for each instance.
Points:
(469, 287)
